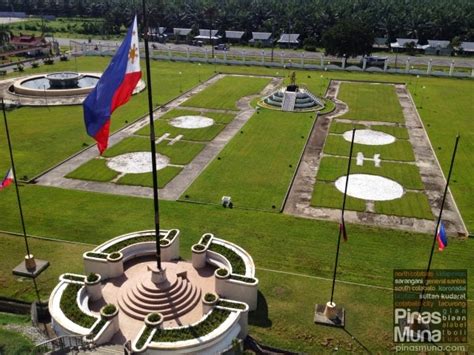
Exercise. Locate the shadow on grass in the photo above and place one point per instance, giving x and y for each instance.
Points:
(357, 340)
(259, 317)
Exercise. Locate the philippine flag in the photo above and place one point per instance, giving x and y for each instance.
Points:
(7, 180)
(114, 88)
(442, 237)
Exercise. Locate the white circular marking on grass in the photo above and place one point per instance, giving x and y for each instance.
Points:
(369, 137)
(136, 163)
(370, 187)
(191, 122)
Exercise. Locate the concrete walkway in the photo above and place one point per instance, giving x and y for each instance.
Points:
(172, 191)
(301, 192)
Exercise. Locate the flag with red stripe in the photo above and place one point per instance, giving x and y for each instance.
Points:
(114, 88)
(7, 180)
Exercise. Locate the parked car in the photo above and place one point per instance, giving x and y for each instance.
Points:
(221, 47)
(375, 61)
(196, 43)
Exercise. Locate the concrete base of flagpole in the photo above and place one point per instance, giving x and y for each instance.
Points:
(157, 276)
(329, 314)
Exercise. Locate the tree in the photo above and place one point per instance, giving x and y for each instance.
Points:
(348, 37)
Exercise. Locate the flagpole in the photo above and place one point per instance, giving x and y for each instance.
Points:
(28, 254)
(152, 141)
(425, 280)
(342, 226)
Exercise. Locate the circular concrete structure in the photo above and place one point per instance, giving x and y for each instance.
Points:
(51, 89)
(192, 122)
(55, 84)
(370, 187)
(136, 163)
(369, 137)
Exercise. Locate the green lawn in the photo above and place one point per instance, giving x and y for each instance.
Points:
(43, 137)
(95, 170)
(275, 241)
(341, 127)
(181, 152)
(256, 167)
(400, 150)
(197, 134)
(408, 175)
(441, 102)
(412, 204)
(225, 93)
(146, 179)
(326, 195)
(360, 97)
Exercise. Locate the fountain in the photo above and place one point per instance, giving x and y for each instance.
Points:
(58, 88)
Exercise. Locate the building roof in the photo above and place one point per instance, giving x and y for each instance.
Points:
(401, 42)
(289, 38)
(434, 43)
(467, 46)
(205, 33)
(261, 36)
(380, 42)
(234, 34)
(27, 40)
(158, 30)
(181, 31)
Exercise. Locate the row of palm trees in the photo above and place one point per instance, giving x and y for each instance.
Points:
(421, 19)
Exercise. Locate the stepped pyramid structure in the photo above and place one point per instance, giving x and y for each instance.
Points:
(293, 99)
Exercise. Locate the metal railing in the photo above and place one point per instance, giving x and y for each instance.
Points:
(65, 343)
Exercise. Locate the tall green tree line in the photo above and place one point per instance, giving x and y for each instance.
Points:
(422, 19)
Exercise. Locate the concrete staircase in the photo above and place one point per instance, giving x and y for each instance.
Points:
(172, 298)
(289, 101)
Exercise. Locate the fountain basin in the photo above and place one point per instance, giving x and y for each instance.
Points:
(56, 84)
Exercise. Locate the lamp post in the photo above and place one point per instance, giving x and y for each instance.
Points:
(180, 87)
(199, 72)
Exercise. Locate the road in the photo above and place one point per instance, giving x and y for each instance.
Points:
(399, 59)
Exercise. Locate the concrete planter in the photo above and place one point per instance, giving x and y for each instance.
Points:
(94, 289)
(108, 316)
(208, 305)
(237, 290)
(154, 324)
(115, 264)
(171, 251)
(199, 256)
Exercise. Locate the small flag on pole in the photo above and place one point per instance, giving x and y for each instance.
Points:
(442, 237)
(114, 88)
(7, 180)
(342, 227)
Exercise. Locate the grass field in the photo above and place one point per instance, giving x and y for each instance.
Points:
(256, 167)
(163, 125)
(276, 242)
(341, 127)
(280, 245)
(440, 99)
(225, 93)
(360, 97)
(400, 150)
(408, 175)
(412, 203)
(12, 342)
(146, 179)
(95, 170)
